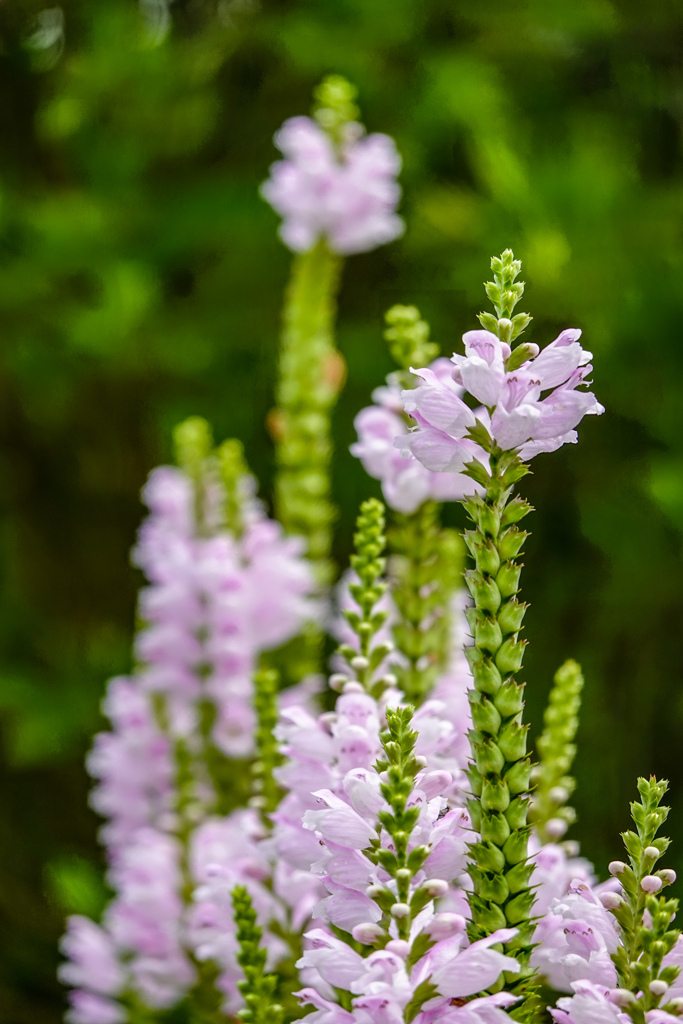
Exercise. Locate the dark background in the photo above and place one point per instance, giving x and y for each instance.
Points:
(141, 281)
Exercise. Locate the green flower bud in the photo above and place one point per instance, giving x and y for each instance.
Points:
(489, 758)
(484, 591)
(475, 780)
(519, 356)
(517, 812)
(511, 616)
(510, 698)
(494, 828)
(515, 849)
(488, 635)
(488, 916)
(519, 876)
(488, 857)
(510, 655)
(488, 520)
(494, 795)
(519, 908)
(518, 777)
(490, 887)
(512, 740)
(511, 542)
(485, 716)
(486, 557)
(487, 678)
(508, 580)
(514, 511)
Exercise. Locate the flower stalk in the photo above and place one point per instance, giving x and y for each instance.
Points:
(501, 770)
(550, 813)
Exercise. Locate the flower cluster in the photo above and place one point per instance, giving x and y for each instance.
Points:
(346, 194)
(406, 483)
(214, 602)
(517, 415)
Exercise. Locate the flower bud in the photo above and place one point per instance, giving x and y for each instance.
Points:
(442, 926)
(621, 997)
(651, 884)
(435, 887)
(420, 761)
(359, 663)
(389, 679)
(399, 947)
(403, 875)
(400, 910)
(559, 794)
(616, 867)
(353, 686)
(611, 900)
(337, 681)
(651, 853)
(556, 828)
(658, 988)
(367, 933)
(667, 875)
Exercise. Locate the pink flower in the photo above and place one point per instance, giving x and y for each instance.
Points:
(88, 1008)
(459, 972)
(348, 198)
(521, 418)
(92, 959)
(590, 1004)
(406, 483)
(575, 940)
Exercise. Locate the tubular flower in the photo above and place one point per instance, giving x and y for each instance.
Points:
(406, 484)
(532, 408)
(347, 194)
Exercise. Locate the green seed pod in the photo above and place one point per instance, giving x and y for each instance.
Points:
(517, 812)
(487, 634)
(489, 758)
(510, 655)
(485, 716)
(494, 795)
(519, 908)
(518, 877)
(510, 698)
(511, 616)
(515, 848)
(488, 857)
(512, 740)
(508, 579)
(487, 678)
(494, 828)
(518, 777)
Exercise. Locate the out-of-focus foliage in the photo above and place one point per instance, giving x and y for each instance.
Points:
(141, 281)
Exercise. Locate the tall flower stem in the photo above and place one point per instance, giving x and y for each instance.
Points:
(426, 564)
(310, 375)
(501, 769)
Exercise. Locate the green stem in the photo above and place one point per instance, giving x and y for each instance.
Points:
(309, 381)
(426, 565)
(550, 813)
(499, 777)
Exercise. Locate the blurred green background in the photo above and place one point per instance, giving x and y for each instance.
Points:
(141, 281)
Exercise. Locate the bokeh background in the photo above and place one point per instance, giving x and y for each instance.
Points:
(141, 281)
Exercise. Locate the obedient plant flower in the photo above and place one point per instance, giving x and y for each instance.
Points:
(335, 183)
(217, 598)
(337, 193)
